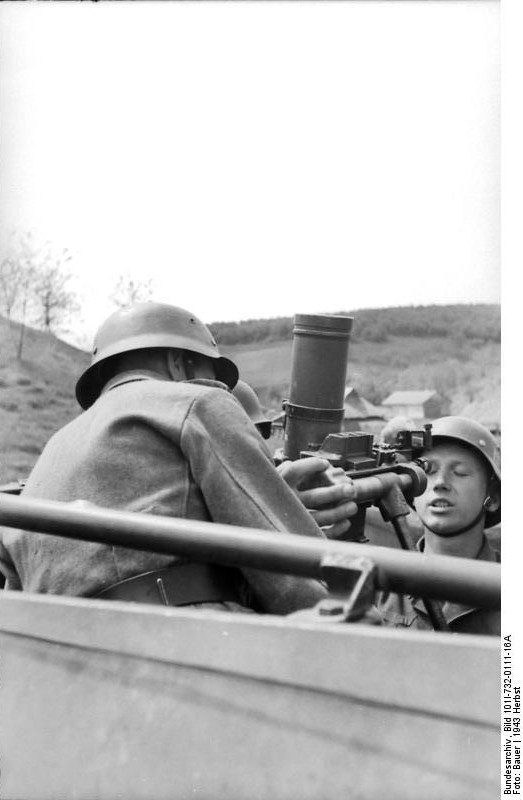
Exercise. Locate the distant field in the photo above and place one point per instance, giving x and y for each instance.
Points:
(262, 366)
(468, 374)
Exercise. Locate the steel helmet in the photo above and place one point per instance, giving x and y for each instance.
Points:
(145, 325)
(473, 434)
(248, 398)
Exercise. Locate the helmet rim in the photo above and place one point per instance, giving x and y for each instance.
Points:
(150, 325)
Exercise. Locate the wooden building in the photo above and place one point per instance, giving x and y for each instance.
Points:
(425, 404)
(360, 414)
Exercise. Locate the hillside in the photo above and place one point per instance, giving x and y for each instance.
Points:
(453, 349)
(36, 395)
(470, 378)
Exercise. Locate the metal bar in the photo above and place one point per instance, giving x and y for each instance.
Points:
(374, 487)
(442, 577)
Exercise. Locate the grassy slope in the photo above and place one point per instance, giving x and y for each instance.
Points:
(37, 393)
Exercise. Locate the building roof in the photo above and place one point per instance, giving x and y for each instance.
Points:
(357, 407)
(415, 397)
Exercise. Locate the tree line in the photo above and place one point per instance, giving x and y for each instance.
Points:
(481, 322)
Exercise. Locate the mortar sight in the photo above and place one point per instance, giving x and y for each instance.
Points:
(414, 442)
(351, 451)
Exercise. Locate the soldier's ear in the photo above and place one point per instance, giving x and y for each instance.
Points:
(492, 503)
(175, 365)
(493, 499)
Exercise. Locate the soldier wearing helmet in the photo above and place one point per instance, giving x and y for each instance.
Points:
(451, 508)
(250, 403)
(160, 433)
(462, 499)
(331, 505)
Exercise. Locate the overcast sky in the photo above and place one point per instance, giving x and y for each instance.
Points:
(257, 159)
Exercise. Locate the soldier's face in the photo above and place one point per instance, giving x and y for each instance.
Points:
(456, 488)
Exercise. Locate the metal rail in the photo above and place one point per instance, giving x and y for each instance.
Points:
(442, 577)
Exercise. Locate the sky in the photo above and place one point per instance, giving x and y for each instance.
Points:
(257, 159)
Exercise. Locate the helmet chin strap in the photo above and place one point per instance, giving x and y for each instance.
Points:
(452, 534)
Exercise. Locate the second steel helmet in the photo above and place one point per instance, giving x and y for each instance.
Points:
(146, 325)
(248, 399)
(472, 434)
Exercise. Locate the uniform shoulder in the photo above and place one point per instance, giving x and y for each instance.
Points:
(200, 388)
(213, 394)
(202, 396)
(209, 384)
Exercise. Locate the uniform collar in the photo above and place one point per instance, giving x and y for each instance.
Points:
(130, 376)
(486, 552)
(148, 374)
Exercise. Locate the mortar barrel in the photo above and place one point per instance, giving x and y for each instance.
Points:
(318, 376)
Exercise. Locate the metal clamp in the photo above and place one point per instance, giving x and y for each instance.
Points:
(352, 585)
(313, 414)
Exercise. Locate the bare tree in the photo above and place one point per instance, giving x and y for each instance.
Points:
(9, 285)
(53, 301)
(129, 290)
(17, 271)
(33, 288)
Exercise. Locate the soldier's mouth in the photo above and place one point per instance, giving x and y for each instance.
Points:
(440, 503)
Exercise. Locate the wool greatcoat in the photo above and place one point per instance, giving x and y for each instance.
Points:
(177, 449)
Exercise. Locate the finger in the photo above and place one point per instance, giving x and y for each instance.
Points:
(337, 530)
(321, 495)
(328, 516)
(338, 472)
(294, 472)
